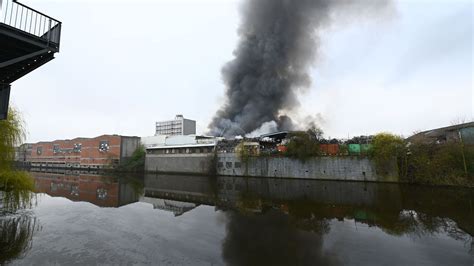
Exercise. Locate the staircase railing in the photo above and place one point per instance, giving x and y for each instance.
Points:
(29, 20)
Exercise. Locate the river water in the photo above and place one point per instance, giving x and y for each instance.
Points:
(88, 219)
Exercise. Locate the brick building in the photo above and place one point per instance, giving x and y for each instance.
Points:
(100, 152)
(102, 191)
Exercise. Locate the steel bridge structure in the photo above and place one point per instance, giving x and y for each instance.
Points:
(28, 40)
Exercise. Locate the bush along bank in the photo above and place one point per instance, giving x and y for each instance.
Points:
(135, 164)
(438, 164)
(434, 163)
(448, 163)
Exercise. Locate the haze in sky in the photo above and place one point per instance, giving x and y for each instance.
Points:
(124, 65)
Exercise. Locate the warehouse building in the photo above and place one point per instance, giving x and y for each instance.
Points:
(178, 126)
(179, 154)
(457, 133)
(104, 151)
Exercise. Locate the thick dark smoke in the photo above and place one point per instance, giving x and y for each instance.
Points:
(279, 40)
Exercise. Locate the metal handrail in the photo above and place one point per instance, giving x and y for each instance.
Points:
(29, 20)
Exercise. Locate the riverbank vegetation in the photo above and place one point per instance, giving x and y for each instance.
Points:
(448, 163)
(136, 163)
(15, 185)
(440, 164)
(422, 162)
(303, 145)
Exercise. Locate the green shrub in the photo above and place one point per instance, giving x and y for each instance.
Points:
(386, 148)
(441, 164)
(136, 163)
(302, 146)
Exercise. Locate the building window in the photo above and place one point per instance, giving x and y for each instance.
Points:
(237, 164)
(75, 190)
(103, 146)
(39, 150)
(228, 164)
(56, 148)
(101, 193)
(77, 147)
(220, 164)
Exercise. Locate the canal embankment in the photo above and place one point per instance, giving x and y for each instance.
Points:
(232, 164)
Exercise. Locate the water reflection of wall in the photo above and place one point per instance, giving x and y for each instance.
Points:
(103, 191)
(174, 206)
(284, 221)
(330, 192)
(388, 206)
(196, 189)
(272, 238)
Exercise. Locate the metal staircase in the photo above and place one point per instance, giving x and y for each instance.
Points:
(28, 40)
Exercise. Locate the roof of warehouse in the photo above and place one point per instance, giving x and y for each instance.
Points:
(181, 146)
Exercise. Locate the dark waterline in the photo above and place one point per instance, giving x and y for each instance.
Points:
(191, 220)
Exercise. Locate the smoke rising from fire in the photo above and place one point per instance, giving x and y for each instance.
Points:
(278, 42)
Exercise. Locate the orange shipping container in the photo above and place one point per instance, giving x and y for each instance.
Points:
(329, 149)
(282, 148)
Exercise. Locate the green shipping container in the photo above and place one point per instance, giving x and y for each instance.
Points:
(354, 149)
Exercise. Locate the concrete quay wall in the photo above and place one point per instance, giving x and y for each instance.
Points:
(325, 168)
(179, 163)
(230, 164)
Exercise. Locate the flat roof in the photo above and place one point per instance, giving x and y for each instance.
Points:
(182, 146)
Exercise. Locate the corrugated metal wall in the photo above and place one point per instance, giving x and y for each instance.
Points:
(468, 135)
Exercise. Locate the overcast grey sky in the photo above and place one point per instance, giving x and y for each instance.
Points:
(125, 64)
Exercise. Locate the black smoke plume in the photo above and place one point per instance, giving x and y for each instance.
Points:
(279, 40)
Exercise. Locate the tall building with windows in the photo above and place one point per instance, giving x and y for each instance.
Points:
(178, 126)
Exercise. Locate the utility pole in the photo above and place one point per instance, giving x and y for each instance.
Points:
(462, 151)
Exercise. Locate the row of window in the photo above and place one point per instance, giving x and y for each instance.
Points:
(101, 193)
(169, 126)
(175, 131)
(179, 122)
(68, 165)
(103, 147)
(182, 150)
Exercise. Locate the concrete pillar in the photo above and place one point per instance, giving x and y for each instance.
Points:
(4, 100)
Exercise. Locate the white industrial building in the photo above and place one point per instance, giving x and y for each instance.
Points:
(178, 126)
(182, 154)
(163, 144)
